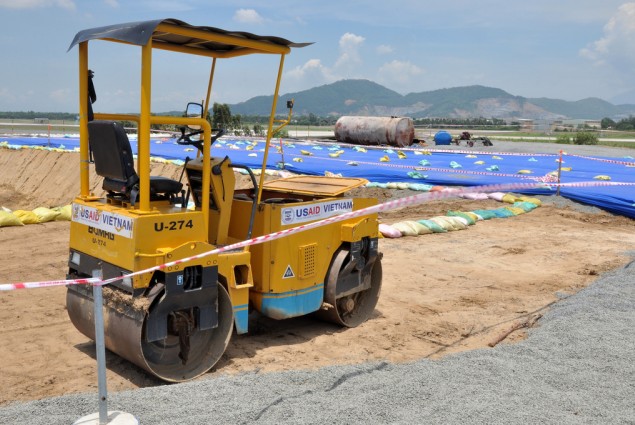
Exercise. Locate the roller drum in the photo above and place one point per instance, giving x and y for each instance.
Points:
(124, 331)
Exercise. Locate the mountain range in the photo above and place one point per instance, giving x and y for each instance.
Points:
(367, 98)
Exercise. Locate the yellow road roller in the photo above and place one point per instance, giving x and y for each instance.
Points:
(176, 321)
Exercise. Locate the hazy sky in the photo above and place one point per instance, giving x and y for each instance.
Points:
(567, 49)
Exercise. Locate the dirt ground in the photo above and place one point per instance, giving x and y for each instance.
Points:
(442, 293)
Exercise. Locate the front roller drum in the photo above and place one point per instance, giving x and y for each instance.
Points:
(350, 308)
(125, 328)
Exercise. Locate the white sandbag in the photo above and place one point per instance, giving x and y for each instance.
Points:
(496, 195)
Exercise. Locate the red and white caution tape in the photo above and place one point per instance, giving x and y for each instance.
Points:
(609, 161)
(44, 284)
(386, 206)
(423, 149)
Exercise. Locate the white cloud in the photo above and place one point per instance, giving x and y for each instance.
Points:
(615, 48)
(313, 71)
(398, 72)
(112, 3)
(248, 16)
(33, 4)
(349, 51)
(384, 49)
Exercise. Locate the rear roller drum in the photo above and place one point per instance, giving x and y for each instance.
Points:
(351, 307)
(187, 352)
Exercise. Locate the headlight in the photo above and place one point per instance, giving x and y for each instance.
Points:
(75, 258)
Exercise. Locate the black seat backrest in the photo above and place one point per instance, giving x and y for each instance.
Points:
(112, 152)
(113, 159)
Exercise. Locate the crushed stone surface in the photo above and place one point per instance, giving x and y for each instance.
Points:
(577, 366)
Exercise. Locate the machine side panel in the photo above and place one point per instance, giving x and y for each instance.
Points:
(293, 269)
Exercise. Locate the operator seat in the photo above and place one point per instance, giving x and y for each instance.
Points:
(114, 162)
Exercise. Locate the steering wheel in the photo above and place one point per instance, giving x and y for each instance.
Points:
(186, 138)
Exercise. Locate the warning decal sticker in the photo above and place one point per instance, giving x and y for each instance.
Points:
(288, 273)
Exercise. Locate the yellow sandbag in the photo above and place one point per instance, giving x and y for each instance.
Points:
(65, 213)
(26, 217)
(418, 227)
(534, 201)
(406, 228)
(8, 219)
(446, 224)
(510, 198)
(45, 214)
(516, 210)
(457, 222)
(474, 217)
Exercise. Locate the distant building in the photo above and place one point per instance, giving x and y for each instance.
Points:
(526, 124)
(572, 125)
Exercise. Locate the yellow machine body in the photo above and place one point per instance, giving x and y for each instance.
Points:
(289, 273)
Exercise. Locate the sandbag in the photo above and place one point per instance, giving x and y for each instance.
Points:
(8, 219)
(496, 195)
(516, 210)
(446, 224)
(469, 220)
(510, 198)
(485, 214)
(388, 231)
(526, 206)
(459, 223)
(406, 228)
(502, 212)
(421, 229)
(45, 214)
(477, 196)
(26, 217)
(65, 213)
(422, 187)
(434, 227)
(474, 217)
(534, 201)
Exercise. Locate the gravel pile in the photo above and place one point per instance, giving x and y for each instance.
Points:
(577, 366)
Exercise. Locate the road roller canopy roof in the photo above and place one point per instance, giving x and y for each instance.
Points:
(176, 35)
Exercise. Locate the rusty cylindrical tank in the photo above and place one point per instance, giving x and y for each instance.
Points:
(395, 131)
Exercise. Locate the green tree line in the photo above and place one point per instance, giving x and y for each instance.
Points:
(29, 115)
(625, 124)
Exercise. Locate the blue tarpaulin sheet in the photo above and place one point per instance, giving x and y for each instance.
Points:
(415, 165)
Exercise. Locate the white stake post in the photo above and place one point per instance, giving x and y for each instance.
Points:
(100, 348)
(103, 417)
